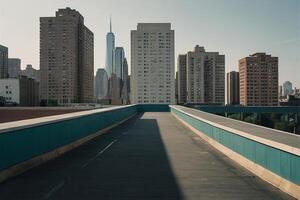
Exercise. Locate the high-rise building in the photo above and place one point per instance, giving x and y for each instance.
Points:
(205, 77)
(233, 88)
(101, 84)
(66, 59)
(152, 64)
(30, 72)
(110, 45)
(118, 61)
(14, 67)
(182, 81)
(125, 85)
(287, 88)
(259, 80)
(3, 62)
(116, 80)
(280, 91)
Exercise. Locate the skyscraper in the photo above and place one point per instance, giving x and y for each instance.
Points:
(182, 81)
(14, 67)
(101, 84)
(152, 64)
(118, 61)
(3, 62)
(259, 80)
(205, 77)
(110, 45)
(66, 59)
(116, 80)
(233, 88)
(287, 88)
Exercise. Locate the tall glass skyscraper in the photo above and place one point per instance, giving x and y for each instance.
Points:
(118, 60)
(110, 45)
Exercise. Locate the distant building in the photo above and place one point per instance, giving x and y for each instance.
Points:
(287, 88)
(291, 100)
(182, 81)
(152, 64)
(233, 88)
(125, 83)
(297, 91)
(115, 89)
(21, 91)
(205, 77)
(3, 62)
(30, 72)
(118, 80)
(101, 84)
(66, 59)
(128, 86)
(280, 91)
(14, 67)
(110, 45)
(118, 61)
(259, 80)
(176, 87)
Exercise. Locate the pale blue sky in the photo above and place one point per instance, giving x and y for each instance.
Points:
(235, 28)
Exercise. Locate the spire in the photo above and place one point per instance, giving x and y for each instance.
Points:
(110, 24)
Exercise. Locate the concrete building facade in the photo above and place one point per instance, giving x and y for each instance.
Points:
(152, 64)
(30, 72)
(14, 67)
(101, 84)
(258, 75)
(3, 62)
(66, 59)
(22, 91)
(233, 88)
(205, 77)
(182, 81)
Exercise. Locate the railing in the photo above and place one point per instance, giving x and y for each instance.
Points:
(275, 162)
(26, 143)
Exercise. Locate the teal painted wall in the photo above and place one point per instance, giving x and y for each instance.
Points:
(24, 144)
(153, 108)
(282, 163)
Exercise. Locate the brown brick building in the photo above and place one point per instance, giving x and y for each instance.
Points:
(258, 80)
(66, 59)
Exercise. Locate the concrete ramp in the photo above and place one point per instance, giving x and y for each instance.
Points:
(150, 156)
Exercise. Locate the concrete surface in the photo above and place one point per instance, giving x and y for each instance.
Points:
(286, 138)
(151, 156)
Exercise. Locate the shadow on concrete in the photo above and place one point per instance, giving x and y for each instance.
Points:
(128, 162)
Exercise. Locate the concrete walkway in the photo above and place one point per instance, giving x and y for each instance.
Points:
(151, 156)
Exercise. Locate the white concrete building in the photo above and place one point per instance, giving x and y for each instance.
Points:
(22, 91)
(152, 64)
(10, 90)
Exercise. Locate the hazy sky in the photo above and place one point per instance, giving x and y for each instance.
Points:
(235, 28)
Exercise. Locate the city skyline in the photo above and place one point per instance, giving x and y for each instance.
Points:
(236, 38)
